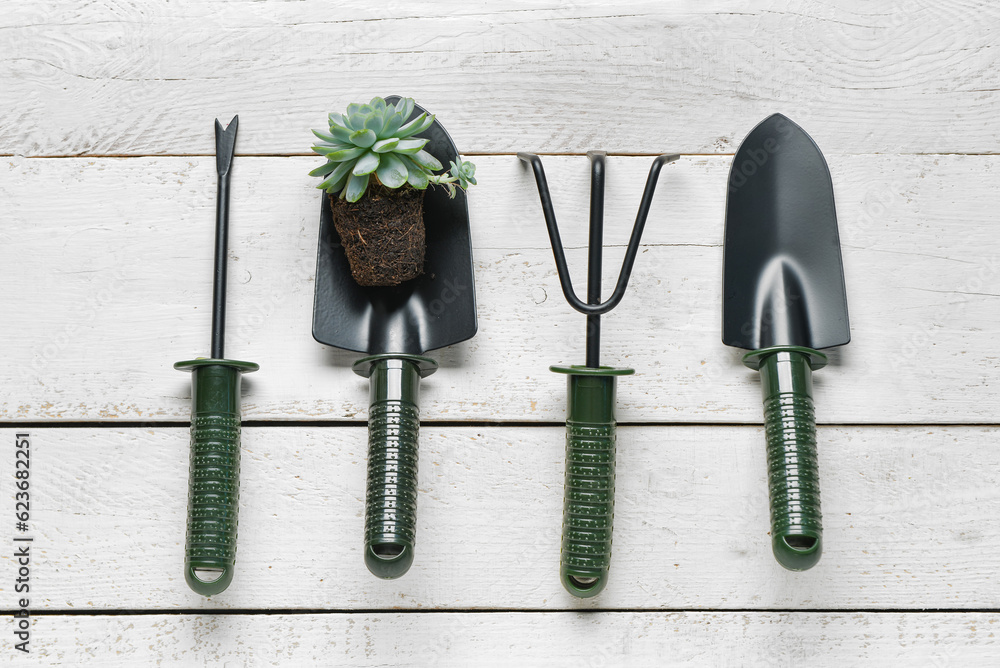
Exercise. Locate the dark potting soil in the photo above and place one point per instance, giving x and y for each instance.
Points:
(383, 234)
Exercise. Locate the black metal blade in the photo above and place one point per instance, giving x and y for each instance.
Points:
(784, 278)
(225, 147)
(434, 310)
(225, 144)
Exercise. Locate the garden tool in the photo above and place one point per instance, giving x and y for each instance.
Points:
(588, 507)
(784, 299)
(213, 497)
(395, 326)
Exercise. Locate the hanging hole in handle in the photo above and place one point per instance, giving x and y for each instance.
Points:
(388, 560)
(797, 551)
(208, 575)
(800, 543)
(582, 583)
(388, 551)
(208, 580)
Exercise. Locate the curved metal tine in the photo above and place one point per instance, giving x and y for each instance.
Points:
(637, 228)
(557, 247)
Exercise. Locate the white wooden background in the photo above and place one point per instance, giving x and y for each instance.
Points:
(107, 192)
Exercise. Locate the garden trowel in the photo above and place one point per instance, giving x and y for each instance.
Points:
(394, 327)
(784, 300)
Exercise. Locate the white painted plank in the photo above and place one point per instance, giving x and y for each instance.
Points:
(106, 267)
(909, 514)
(694, 639)
(133, 78)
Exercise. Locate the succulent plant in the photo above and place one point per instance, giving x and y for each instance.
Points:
(371, 139)
(464, 172)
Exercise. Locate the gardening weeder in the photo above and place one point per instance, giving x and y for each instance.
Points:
(213, 497)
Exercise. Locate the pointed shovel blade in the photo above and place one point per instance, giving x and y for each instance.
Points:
(783, 281)
(431, 311)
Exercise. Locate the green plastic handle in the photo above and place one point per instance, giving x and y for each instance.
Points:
(793, 474)
(589, 492)
(393, 429)
(213, 491)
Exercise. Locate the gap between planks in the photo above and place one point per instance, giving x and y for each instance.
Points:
(123, 612)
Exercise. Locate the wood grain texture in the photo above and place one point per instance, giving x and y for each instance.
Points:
(107, 274)
(105, 266)
(127, 77)
(909, 515)
(593, 640)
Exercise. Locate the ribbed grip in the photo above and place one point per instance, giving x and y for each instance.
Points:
(589, 507)
(214, 493)
(391, 498)
(589, 493)
(391, 501)
(793, 474)
(214, 476)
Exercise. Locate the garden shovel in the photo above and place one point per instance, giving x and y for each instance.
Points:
(784, 300)
(394, 327)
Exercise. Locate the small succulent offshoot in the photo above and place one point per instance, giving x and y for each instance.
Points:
(371, 140)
